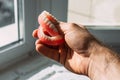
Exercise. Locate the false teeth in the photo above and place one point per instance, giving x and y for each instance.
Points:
(48, 23)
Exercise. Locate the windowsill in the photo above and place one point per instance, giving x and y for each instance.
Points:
(38, 68)
(103, 27)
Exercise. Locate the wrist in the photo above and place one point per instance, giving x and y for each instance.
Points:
(103, 62)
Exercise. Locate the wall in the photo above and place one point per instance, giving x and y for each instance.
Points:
(94, 11)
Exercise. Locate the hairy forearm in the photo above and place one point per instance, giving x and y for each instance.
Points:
(104, 63)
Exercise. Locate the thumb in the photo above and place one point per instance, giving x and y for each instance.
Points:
(63, 27)
(68, 27)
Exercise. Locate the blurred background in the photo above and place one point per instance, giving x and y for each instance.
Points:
(18, 18)
(6, 12)
(94, 12)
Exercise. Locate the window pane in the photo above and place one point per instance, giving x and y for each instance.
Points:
(8, 22)
(94, 12)
(6, 12)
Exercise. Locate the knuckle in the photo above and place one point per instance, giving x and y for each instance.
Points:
(72, 24)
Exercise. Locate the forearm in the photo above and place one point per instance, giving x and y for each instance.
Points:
(104, 63)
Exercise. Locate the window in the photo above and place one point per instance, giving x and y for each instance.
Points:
(8, 22)
(18, 20)
(102, 17)
(23, 24)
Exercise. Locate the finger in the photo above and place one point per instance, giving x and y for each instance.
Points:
(82, 26)
(48, 52)
(63, 27)
(66, 27)
(38, 41)
(63, 54)
(34, 34)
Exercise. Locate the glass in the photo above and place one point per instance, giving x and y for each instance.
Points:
(6, 12)
(8, 22)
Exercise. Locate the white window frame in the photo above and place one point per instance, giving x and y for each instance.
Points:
(31, 10)
(19, 50)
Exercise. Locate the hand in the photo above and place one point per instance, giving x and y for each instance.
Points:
(82, 53)
(74, 54)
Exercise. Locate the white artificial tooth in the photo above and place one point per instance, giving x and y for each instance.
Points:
(46, 20)
(41, 32)
(42, 14)
(45, 12)
(54, 18)
(46, 37)
(52, 26)
(43, 18)
(49, 22)
(42, 35)
(55, 29)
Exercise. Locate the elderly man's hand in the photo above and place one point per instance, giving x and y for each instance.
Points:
(81, 53)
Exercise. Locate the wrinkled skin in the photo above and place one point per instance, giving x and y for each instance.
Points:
(82, 53)
(74, 54)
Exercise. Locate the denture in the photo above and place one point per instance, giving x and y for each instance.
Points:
(47, 31)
